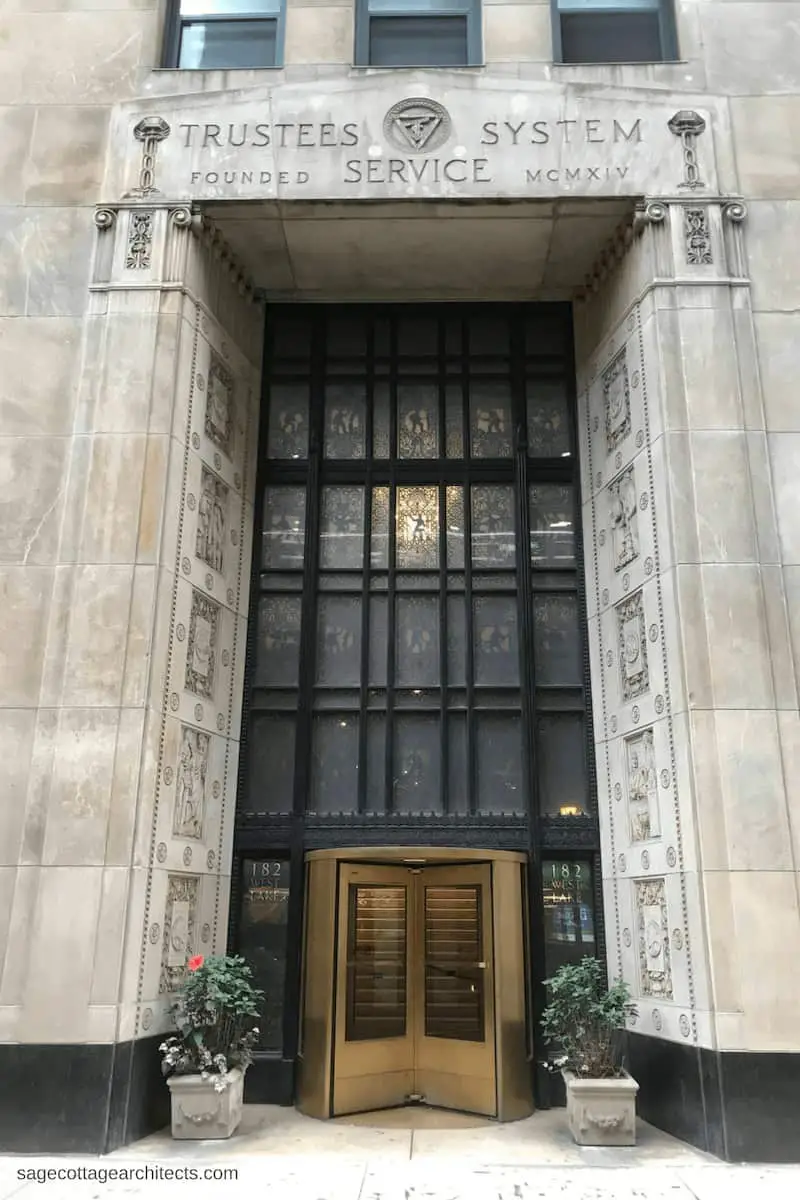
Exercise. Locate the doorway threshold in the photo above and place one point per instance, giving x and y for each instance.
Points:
(416, 1116)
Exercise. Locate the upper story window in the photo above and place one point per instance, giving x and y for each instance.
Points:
(614, 31)
(226, 34)
(418, 33)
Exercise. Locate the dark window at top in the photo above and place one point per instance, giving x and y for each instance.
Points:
(418, 33)
(207, 35)
(615, 31)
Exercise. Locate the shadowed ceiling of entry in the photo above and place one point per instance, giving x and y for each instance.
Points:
(418, 250)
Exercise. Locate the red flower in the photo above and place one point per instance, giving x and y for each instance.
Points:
(195, 962)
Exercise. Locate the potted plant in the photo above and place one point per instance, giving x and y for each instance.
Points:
(584, 1020)
(206, 1060)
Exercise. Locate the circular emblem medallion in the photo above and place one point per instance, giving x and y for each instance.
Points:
(685, 1027)
(417, 126)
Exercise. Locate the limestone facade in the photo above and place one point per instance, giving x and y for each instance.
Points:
(130, 337)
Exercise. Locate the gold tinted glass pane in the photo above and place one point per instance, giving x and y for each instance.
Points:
(455, 527)
(417, 527)
(376, 963)
(379, 538)
(454, 970)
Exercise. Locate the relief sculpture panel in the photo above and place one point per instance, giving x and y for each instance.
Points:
(190, 791)
(624, 519)
(220, 406)
(617, 400)
(212, 519)
(202, 645)
(655, 970)
(640, 758)
(180, 929)
(632, 641)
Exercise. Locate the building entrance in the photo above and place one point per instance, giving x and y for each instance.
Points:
(414, 1013)
(416, 700)
(415, 985)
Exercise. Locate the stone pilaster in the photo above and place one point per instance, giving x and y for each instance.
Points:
(691, 653)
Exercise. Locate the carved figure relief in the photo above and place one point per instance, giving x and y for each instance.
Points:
(190, 790)
(642, 786)
(201, 646)
(212, 519)
(632, 642)
(180, 922)
(220, 404)
(617, 400)
(655, 970)
(624, 519)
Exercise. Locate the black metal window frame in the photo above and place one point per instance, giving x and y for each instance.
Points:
(175, 25)
(667, 29)
(470, 10)
(265, 835)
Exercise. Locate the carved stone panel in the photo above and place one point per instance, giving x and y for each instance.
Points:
(220, 405)
(632, 644)
(180, 926)
(624, 519)
(697, 236)
(201, 646)
(617, 400)
(190, 783)
(655, 969)
(640, 760)
(212, 520)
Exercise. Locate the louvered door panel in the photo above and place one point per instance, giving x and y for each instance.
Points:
(454, 970)
(376, 963)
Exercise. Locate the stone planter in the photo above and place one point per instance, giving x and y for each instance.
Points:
(601, 1112)
(198, 1111)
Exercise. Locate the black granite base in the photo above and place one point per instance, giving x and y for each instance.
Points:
(80, 1099)
(270, 1080)
(90, 1099)
(743, 1107)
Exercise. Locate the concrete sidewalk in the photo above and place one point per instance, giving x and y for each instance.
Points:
(405, 1155)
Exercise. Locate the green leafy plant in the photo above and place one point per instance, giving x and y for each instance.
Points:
(583, 1019)
(214, 1015)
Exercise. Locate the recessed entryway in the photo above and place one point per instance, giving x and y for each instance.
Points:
(411, 995)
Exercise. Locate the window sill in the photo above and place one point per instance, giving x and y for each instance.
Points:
(650, 62)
